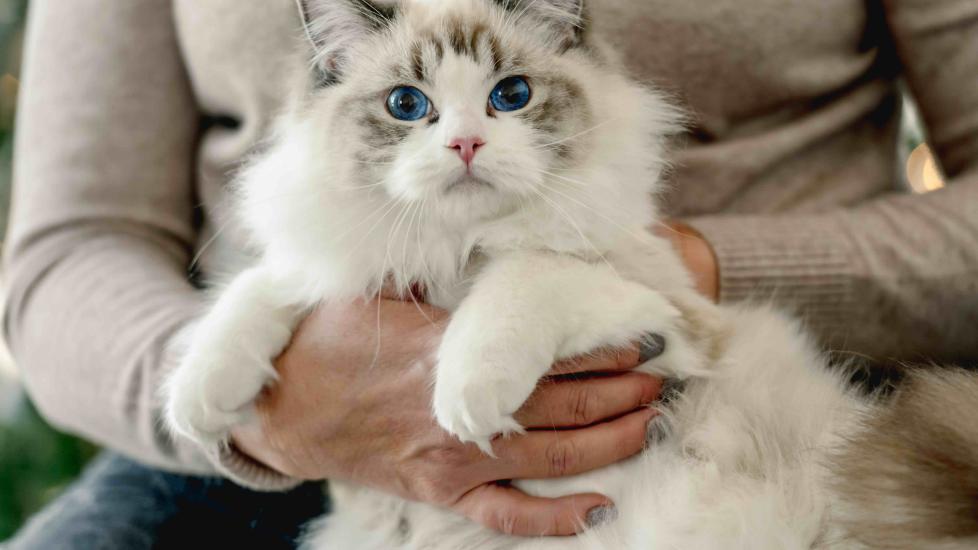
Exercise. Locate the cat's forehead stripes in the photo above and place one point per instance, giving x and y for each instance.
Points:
(478, 41)
(474, 40)
(426, 53)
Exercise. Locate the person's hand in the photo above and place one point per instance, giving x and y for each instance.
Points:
(697, 254)
(348, 407)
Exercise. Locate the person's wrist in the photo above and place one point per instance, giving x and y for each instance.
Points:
(698, 256)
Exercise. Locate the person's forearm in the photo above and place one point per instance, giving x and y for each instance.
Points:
(892, 279)
(102, 221)
(89, 318)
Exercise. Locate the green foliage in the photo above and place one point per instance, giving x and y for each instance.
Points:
(36, 462)
(12, 13)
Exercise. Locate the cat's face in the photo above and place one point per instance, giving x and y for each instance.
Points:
(463, 105)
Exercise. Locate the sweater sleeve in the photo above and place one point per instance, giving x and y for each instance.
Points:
(896, 277)
(102, 227)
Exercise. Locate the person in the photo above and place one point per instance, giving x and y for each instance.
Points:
(135, 112)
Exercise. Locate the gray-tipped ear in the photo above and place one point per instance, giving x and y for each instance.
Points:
(333, 26)
(567, 19)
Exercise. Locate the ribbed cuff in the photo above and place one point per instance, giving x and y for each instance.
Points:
(248, 472)
(226, 459)
(803, 263)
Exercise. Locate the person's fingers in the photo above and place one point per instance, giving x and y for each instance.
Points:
(542, 454)
(508, 510)
(577, 403)
(613, 360)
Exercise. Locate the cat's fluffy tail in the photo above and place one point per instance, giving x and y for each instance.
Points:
(910, 480)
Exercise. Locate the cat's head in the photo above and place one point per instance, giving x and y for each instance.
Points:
(465, 104)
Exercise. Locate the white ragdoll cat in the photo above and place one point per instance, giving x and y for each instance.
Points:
(495, 153)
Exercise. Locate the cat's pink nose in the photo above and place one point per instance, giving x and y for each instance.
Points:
(466, 147)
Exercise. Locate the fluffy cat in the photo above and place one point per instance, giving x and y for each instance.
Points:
(494, 152)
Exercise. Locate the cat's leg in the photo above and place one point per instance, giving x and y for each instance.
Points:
(528, 309)
(229, 356)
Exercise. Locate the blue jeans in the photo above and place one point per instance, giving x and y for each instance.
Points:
(118, 504)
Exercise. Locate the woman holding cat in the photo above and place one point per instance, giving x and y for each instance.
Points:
(788, 175)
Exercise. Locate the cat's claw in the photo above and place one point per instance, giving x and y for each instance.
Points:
(476, 410)
(208, 395)
(484, 442)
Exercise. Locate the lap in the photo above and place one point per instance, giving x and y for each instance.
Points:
(119, 504)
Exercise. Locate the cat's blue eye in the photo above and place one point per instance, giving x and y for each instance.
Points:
(511, 94)
(407, 103)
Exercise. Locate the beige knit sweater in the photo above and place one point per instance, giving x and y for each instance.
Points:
(135, 112)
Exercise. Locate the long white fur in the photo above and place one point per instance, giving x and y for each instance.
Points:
(552, 263)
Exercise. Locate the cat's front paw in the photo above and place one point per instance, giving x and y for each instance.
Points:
(210, 393)
(215, 385)
(475, 400)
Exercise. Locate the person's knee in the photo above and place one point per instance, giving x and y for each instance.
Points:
(116, 504)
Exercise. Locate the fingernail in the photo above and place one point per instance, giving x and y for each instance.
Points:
(599, 515)
(671, 389)
(657, 430)
(650, 347)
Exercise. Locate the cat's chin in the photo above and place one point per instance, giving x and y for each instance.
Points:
(472, 200)
(469, 183)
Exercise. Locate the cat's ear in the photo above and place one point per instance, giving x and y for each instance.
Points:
(566, 19)
(334, 26)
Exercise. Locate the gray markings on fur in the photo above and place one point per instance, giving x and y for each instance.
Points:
(456, 36)
(426, 53)
(561, 112)
(403, 529)
(381, 133)
(565, 99)
(380, 16)
(569, 29)
(496, 53)
(372, 16)
(417, 61)
(464, 38)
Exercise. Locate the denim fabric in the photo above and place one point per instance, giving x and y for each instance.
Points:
(118, 504)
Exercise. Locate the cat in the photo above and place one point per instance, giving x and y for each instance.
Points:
(496, 153)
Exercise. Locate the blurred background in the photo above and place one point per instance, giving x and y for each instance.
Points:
(36, 461)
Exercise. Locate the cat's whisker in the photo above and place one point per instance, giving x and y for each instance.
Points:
(383, 269)
(414, 208)
(429, 276)
(577, 135)
(390, 206)
(617, 224)
(631, 232)
(666, 227)
(268, 198)
(210, 242)
(407, 237)
(393, 229)
(372, 14)
(585, 240)
(355, 188)
(564, 177)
